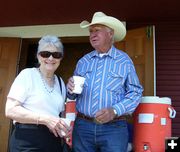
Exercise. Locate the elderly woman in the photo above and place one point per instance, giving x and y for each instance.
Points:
(35, 101)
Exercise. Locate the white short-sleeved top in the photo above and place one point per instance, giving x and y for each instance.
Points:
(28, 88)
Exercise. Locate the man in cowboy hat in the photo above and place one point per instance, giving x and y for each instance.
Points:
(111, 90)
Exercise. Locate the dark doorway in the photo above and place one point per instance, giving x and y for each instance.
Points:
(74, 49)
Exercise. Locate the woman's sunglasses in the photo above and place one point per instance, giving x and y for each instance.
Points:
(47, 54)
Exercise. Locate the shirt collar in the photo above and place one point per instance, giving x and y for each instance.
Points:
(110, 53)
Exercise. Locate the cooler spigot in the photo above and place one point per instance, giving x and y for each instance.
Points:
(146, 147)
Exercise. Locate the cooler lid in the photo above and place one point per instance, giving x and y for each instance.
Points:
(156, 99)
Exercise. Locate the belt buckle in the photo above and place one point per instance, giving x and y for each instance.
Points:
(96, 121)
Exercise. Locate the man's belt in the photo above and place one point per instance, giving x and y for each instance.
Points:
(92, 119)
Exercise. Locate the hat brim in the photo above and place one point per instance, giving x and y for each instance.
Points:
(115, 24)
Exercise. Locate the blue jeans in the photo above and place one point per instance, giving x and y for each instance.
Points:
(91, 137)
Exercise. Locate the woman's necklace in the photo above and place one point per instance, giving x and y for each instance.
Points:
(46, 86)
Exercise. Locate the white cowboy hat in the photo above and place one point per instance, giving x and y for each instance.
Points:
(115, 24)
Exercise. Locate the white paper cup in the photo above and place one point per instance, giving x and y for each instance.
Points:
(68, 122)
(79, 83)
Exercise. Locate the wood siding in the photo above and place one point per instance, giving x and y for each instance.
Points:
(168, 67)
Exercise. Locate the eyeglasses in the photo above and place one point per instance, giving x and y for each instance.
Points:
(47, 54)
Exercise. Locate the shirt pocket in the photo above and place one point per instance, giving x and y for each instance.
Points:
(115, 82)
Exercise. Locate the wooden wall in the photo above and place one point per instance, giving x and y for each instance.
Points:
(168, 67)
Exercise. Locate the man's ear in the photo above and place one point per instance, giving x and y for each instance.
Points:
(112, 34)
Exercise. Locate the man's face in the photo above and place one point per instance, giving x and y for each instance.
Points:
(100, 37)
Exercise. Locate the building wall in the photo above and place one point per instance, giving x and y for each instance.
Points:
(168, 67)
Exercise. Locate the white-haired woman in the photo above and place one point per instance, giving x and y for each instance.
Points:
(35, 101)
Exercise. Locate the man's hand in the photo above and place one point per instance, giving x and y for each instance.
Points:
(105, 115)
(70, 85)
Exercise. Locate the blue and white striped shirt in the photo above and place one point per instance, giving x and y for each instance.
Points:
(119, 88)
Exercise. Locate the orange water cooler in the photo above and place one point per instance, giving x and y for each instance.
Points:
(70, 113)
(152, 124)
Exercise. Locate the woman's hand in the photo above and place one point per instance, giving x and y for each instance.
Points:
(16, 112)
(58, 127)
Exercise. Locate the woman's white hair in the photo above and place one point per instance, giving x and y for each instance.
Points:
(50, 40)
